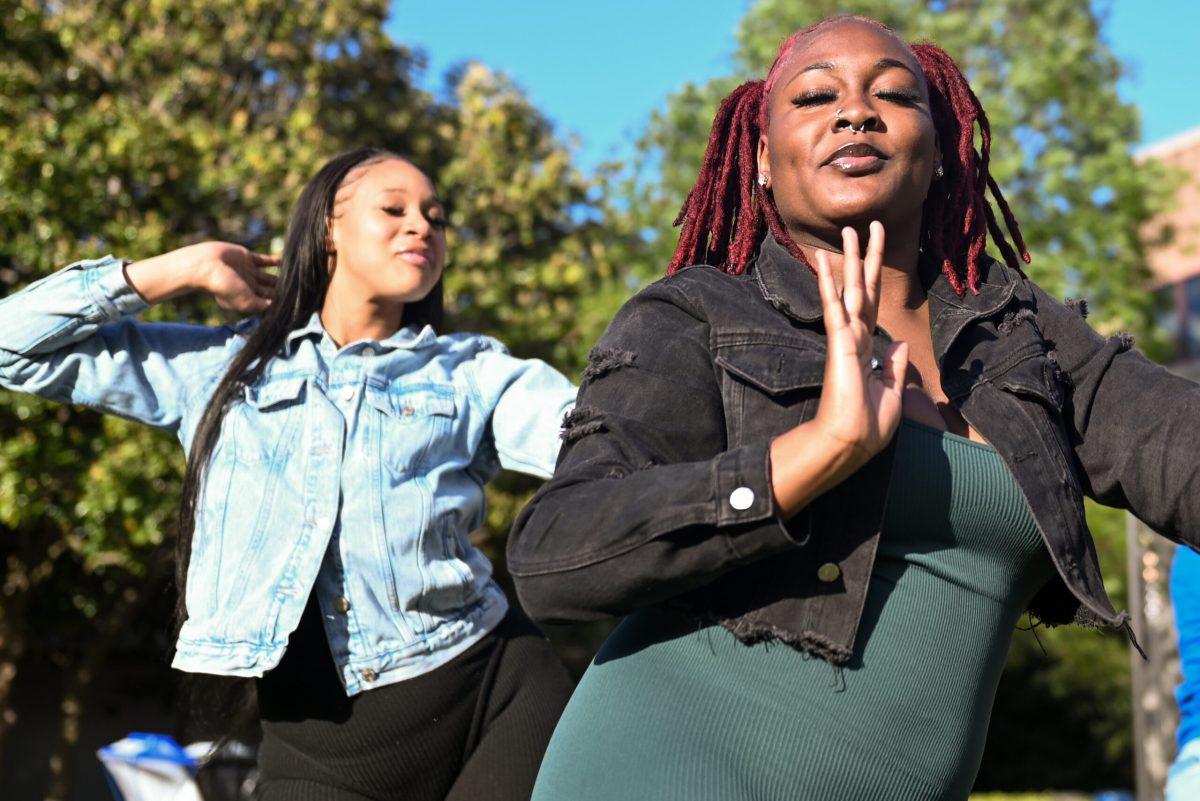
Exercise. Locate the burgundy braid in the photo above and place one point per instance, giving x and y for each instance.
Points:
(726, 215)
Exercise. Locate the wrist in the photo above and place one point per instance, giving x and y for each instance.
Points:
(165, 276)
(190, 270)
(843, 455)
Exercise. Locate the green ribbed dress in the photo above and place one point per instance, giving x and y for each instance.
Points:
(670, 712)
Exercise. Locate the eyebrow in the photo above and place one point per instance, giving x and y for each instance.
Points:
(881, 64)
(435, 200)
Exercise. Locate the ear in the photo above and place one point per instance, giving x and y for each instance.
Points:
(764, 160)
(330, 241)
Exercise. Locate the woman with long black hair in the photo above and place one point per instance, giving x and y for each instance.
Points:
(337, 453)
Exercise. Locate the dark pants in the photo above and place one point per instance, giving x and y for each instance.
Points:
(475, 728)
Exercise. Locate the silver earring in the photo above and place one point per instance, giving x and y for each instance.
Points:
(938, 173)
(762, 180)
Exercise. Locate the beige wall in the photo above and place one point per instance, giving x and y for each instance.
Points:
(1181, 258)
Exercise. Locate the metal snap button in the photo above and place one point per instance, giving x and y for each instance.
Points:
(741, 498)
(828, 572)
(407, 411)
(369, 675)
(341, 604)
(347, 394)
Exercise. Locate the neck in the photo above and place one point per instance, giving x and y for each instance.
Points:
(347, 322)
(901, 288)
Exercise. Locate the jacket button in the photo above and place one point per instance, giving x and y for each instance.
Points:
(341, 604)
(741, 498)
(369, 675)
(829, 572)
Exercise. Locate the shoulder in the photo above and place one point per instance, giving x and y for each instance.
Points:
(1064, 321)
(703, 286)
(466, 345)
(694, 297)
(478, 359)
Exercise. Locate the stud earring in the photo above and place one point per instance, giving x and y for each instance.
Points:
(762, 180)
(938, 173)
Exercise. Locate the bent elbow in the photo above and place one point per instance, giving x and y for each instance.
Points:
(557, 599)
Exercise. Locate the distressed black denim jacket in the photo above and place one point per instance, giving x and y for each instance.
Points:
(662, 492)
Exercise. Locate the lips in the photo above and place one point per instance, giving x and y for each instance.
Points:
(856, 158)
(417, 256)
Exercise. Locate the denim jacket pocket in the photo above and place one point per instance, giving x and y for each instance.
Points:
(264, 427)
(770, 385)
(776, 367)
(1039, 391)
(413, 418)
(271, 393)
(1036, 378)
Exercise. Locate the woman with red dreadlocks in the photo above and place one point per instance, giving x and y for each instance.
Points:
(824, 484)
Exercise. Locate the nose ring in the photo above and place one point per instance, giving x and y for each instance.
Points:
(837, 116)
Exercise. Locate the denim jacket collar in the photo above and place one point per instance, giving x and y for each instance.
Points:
(409, 337)
(787, 284)
(792, 288)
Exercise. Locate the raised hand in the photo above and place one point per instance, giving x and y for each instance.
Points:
(232, 274)
(860, 407)
(235, 276)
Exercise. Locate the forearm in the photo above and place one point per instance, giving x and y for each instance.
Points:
(805, 463)
(63, 308)
(71, 337)
(163, 277)
(589, 545)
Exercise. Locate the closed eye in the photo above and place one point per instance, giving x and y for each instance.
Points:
(400, 211)
(814, 98)
(903, 96)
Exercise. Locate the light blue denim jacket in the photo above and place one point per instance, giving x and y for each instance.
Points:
(358, 471)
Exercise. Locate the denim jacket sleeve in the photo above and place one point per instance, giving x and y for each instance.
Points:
(647, 502)
(70, 337)
(1135, 425)
(527, 399)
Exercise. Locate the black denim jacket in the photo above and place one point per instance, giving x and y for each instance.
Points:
(662, 492)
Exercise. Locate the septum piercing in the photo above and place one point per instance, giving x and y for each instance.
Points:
(837, 116)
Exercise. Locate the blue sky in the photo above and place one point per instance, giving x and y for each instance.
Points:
(598, 69)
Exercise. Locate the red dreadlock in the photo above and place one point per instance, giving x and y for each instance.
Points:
(726, 215)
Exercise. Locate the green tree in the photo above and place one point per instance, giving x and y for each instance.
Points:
(1062, 140)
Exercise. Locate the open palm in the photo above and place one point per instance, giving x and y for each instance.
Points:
(860, 406)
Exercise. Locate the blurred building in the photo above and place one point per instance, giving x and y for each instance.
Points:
(1176, 264)
(1174, 261)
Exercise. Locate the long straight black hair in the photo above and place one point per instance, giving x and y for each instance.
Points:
(303, 281)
